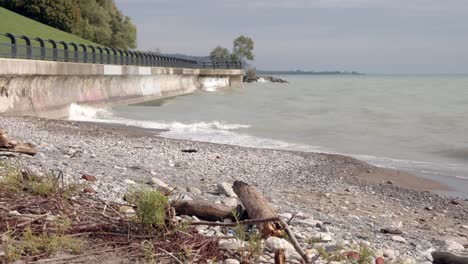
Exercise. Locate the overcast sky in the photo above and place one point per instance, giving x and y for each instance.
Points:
(371, 36)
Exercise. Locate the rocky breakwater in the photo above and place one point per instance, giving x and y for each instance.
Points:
(333, 212)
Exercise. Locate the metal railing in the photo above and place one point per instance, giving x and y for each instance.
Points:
(52, 50)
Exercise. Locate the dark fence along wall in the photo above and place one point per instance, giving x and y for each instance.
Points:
(24, 47)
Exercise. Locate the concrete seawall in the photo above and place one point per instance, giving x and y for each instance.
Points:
(46, 89)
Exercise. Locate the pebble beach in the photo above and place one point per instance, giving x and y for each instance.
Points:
(336, 200)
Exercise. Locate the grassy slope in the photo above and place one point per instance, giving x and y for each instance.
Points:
(20, 25)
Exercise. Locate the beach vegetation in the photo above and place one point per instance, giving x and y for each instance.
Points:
(152, 206)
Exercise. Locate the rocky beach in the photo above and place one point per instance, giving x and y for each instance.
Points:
(336, 205)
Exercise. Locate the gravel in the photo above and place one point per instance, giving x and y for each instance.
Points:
(326, 193)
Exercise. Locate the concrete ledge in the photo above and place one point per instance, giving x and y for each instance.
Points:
(35, 67)
(46, 89)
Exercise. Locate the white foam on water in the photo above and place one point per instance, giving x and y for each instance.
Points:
(225, 133)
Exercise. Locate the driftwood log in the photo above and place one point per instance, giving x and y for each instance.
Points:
(448, 258)
(257, 208)
(10, 145)
(204, 209)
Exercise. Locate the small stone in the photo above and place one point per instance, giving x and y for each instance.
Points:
(464, 227)
(324, 237)
(389, 230)
(126, 209)
(194, 190)
(89, 178)
(226, 189)
(353, 256)
(230, 244)
(379, 260)
(14, 213)
(230, 201)
(129, 182)
(89, 190)
(231, 261)
(160, 185)
(409, 261)
(399, 239)
(452, 246)
(388, 253)
(275, 243)
(455, 202)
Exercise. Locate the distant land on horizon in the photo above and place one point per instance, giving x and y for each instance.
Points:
(300, 72)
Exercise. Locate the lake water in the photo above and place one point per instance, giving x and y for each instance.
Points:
(417, 123)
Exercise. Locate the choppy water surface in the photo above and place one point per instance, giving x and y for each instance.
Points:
(418, 123)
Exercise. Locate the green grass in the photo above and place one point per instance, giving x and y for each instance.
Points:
(20, 25)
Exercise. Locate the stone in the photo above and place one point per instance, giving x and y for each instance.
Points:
(324, 237)
(275, 243)
(310, 222)
(388, 253)
(230, 201)
(391, 230)
(14, 213)
(379, 260)
(129, 182)
(399, 239)
(409, 261)
(226, 189)
(89, 190)
(194, 190)
(88, 177)
(127, 210)
(453, 246)
(231, 261)
(231, 244)
(160, 185)
(353, 256)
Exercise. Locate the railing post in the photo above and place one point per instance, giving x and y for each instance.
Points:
(54, 50)
(14, 49)
(28, 47)
(93, 53)
(108, 61)
(65, 50)
(101, 55)
(75, 51)
(42, 44)
(85, 53)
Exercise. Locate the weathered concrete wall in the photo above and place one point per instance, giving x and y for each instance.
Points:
(46, 89)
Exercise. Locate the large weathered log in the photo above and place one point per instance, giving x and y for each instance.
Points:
(204, 209)
(448, 258)
(11, 145)
(257, 208)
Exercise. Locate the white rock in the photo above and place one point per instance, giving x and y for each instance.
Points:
(409, 261)
(399, 239)
(275, 243)
(14, 213)
(230, 201)
(286, 216)
(129, 182)
(427, 255)
(194, 190)
(464, 227)
(231, 261)
(325, 237)
(160, 185)
(226, 189)
(231, 244)
(388, 253)
(453, 246)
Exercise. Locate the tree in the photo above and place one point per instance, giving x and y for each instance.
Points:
(219, 54)
(97, 20)
(243, 49)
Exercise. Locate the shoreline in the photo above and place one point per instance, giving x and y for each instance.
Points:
(356, 198)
